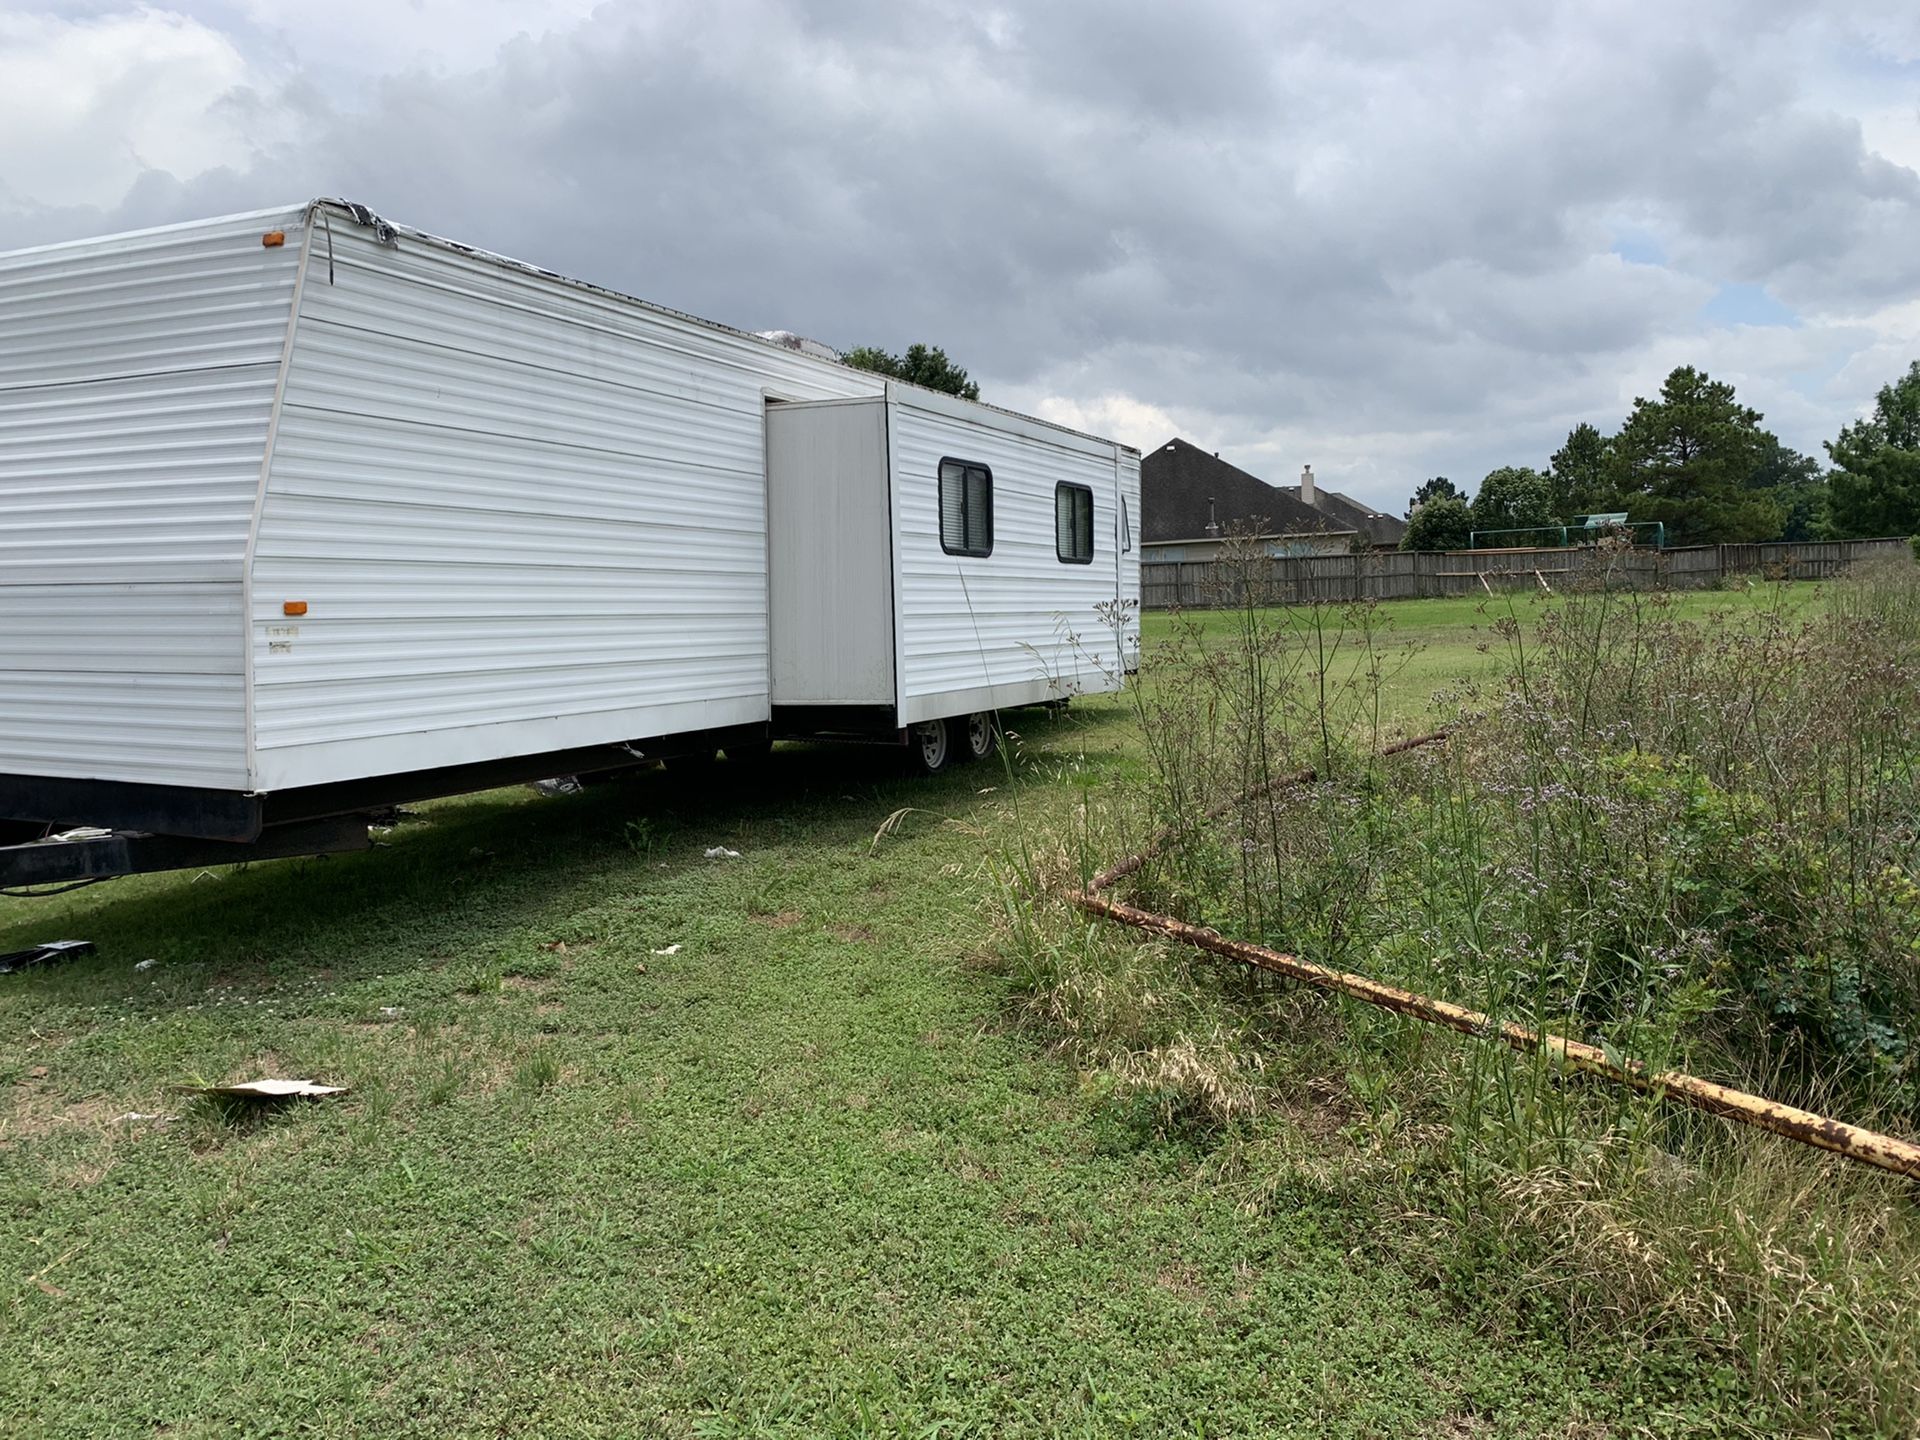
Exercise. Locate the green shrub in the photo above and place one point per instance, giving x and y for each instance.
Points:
(1695, 844)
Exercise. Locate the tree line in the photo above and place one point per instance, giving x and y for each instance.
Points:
(1700, 462)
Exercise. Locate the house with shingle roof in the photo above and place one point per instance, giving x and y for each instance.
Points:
(1192, 503)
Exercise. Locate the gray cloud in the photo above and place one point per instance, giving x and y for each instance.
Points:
(1384, 231)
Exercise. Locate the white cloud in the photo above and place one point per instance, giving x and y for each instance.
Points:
(374, 37)
(1893, 133)
(1376, 239)
(87, 106)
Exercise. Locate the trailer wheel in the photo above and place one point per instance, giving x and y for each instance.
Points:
(930, 746)
(982, 736)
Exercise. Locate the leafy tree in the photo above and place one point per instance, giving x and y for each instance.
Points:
(922, 364)
(1687, 459)
(1441, 524)
(1512, 497)
(1795, 483)
(1876, 476)
(1438, 488)
(1580, 481)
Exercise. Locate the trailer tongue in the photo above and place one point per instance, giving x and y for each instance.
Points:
(81, 856)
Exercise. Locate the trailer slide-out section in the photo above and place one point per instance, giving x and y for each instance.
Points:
(304, 513)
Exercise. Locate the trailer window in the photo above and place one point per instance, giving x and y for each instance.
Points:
(1073, 524)
(966, 508)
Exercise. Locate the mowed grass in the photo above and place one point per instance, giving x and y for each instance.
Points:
(1426, 647)
(799, 1176)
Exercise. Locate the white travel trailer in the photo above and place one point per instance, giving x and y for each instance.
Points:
(303, 512)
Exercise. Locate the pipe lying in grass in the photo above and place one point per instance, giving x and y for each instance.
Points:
(1868, 1147)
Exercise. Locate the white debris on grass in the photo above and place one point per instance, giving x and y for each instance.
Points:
(265, 1090)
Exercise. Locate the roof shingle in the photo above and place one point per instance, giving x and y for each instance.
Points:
(1178, 479)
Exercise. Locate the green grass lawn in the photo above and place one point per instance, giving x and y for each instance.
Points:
(800, 1176)
(1429, 646)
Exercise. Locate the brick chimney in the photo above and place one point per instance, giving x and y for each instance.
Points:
(1307, 493)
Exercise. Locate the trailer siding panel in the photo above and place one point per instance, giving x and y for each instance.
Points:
(1132, 599)
(137, 378)
(522, 514)
(1019, 624)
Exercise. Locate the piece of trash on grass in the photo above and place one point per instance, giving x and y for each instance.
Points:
(721, 852)
(47, 954)
(391, 1012)
(145, 964)
(265, 1090)
(137, 1117)
(673, 949)
(558, 785)
(38, 1072)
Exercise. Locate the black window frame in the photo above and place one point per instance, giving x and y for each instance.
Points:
(1066, 487)
(963, 550)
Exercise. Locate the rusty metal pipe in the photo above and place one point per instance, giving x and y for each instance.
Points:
(1868, 1147)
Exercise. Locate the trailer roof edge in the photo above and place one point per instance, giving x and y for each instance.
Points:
(346, 209)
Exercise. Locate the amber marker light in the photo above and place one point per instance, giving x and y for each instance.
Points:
(273, 238)
(294, 607)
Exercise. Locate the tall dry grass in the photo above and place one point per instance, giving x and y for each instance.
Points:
(1694, 843)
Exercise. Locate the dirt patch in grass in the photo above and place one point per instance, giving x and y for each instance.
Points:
(1183, 1281)
(38, 1113)
(782, 920)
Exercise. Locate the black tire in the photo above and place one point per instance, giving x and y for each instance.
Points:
(981, 736)
(930, 747)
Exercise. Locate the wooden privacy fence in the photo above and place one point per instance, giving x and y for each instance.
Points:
(1417, 574)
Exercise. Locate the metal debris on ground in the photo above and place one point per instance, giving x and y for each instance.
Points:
(1852, 1142)
(721, 852)
(266, 1090)
(145, 964)
(47, 954)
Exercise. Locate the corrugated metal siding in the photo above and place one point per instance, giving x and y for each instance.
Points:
(136, 387)
(523, 515)
(1020, 616)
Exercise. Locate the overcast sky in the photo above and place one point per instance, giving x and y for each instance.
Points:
(1391, 240)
